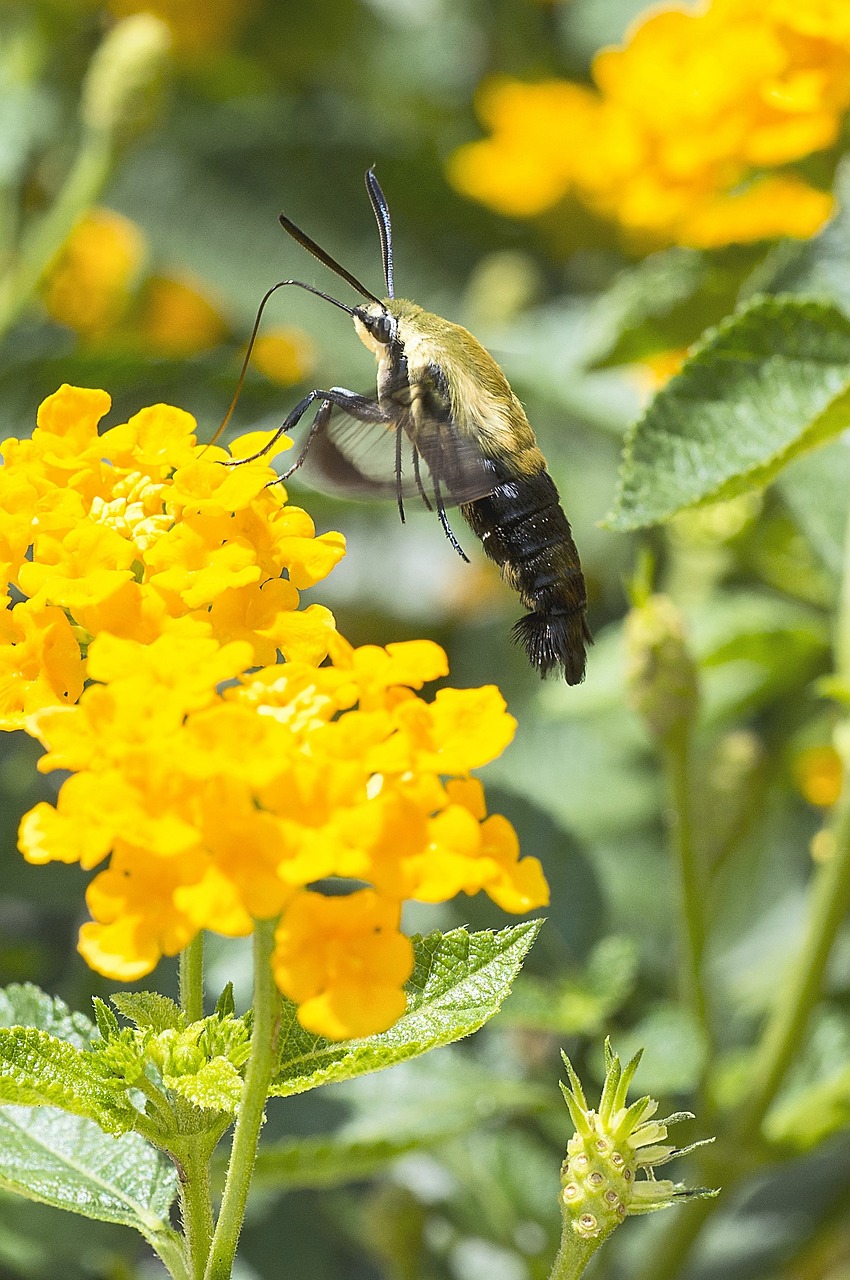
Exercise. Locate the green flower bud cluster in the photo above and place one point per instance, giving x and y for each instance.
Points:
(200, 1064)
(182, 1052)
(123, 86)
(609, 1170)
(661, 674)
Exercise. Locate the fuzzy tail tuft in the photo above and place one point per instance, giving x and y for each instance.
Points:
(555, 639)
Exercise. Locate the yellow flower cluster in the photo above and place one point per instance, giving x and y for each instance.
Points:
(150, 590)
(141, 533)
(685, 122)
(94, 287)
(177, 317)
(90, 284)
(818, 771)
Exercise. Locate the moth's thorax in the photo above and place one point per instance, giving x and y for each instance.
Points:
(482, 402)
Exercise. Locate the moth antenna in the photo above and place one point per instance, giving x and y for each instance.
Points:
(385, 230)
(324, 257)
(241, 381)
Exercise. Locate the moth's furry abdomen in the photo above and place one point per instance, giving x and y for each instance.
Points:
(555, 638)
(523, 528)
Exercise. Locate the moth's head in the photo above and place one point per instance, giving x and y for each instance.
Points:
(376, 325)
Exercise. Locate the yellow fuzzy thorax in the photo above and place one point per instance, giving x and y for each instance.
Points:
(483, 403)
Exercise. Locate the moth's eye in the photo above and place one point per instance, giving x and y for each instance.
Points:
(381, 328)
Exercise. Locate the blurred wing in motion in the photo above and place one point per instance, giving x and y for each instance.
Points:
(414, 456)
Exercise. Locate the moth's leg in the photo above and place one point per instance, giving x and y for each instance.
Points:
(318, 424)
(423, 495)
(399, 497)
(444, 521)
(360, 407)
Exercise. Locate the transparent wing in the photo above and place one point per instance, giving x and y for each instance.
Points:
(423, 457)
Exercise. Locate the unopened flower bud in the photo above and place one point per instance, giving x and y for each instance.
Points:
(661, 674)
(609, 1170)
(122, 89)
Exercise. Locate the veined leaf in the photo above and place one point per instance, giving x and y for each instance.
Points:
(770, 383)
(459, 982)
(815, 488)
(26, 1005)
(37, 1069)
(69, 1162)
(63, 1157)
(148, 1009)
(216, 1086)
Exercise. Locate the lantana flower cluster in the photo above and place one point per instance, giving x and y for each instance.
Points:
(100, 286)
(679, 136)
(151, 592)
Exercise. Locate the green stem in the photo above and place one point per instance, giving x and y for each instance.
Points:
(196, 1205)
(783, 1034)
(676, 754)
(780, 1041)
(829, 902)
(252, 1107)
(168, 1248)
(192, 979)
(573, 1255)
(43, 240)
(195, 1153)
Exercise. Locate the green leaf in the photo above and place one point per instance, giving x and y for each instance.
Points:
(666, 301)
(148, 1009)
(767, 385)
(754, 649)
(815, 1102)
(459, 982)
(216, 1086)
(37, 1069)
(107, 1023)
(307, 1163)
(26, 1005)
(68, 1162)
(225, 1005)
(815, 488)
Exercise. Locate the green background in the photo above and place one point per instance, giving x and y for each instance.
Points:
(287, 116)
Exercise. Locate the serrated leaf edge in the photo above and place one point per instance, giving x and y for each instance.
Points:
(777, 303)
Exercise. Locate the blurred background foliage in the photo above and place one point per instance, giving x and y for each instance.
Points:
(149, 290)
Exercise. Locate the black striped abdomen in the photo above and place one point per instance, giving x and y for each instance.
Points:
(522, 527)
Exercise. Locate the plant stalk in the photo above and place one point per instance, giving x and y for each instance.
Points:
(252, 1107)
(168, 1249)
(676, 755)
(192, 979)
(573, 1255)
(43, 240)
(196, 1205)
(783, 1033)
